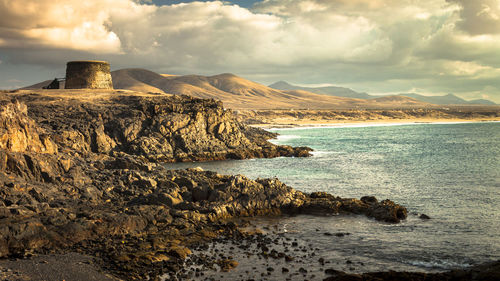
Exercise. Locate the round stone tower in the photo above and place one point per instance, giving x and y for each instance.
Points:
(88, 75)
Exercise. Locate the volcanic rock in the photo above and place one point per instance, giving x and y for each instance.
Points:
(82, 174)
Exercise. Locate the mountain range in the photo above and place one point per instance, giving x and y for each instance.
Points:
(329, 90)
(448, 99)
(239, 93)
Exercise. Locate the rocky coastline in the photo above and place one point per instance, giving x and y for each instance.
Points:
(81, 173)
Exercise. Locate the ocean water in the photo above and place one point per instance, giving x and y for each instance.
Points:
(451, 172)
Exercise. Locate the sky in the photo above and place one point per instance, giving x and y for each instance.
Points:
(431, 47)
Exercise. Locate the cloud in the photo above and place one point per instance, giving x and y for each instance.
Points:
(14, 81)
(198, 34)
(479, 16)
(368, 45)
(216, 34)
(450, 44)
(71, 24)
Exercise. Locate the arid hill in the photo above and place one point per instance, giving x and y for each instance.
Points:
(238, 93)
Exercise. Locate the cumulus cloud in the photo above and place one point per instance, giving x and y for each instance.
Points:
(368, 45)
(216, 34)
(71, 24)
(195, 34)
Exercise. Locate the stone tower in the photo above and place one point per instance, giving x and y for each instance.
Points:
(88, 75)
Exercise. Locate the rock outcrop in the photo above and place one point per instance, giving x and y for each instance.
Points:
(97, 208)
(19, 133)
(159, 128)
(83, 175)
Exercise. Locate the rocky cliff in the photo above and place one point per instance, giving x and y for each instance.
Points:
(19, 133)
(160, 128)
(79, 172)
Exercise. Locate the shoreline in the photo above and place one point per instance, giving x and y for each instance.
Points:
(349, 117)
(258, 249)
(308, 124)
(83, 176)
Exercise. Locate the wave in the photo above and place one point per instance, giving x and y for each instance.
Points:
(287, 137)
(322, 153)
(439, 264)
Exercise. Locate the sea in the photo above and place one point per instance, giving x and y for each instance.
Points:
(448, 171)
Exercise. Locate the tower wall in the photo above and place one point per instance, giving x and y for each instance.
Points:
(88, 75)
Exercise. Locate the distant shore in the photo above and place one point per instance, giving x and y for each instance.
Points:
(366, 123)
(361, 117)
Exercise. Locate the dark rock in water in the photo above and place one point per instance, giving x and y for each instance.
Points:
(424, 217)
(369, 199)
(331, 271)
(324, 203)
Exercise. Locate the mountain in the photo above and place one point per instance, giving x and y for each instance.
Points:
(234, 91)
(346, 92)
(329, 90)
(140, 80)
(239, 93)
(482, 101)
(447, 99)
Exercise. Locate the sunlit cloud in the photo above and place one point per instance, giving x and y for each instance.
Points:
(368, 45)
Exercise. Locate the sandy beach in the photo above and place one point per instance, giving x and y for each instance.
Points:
(279, 124)
(366, 117)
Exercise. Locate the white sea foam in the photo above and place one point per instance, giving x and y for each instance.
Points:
(321, 153)
(287, 137)
(439, 264)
